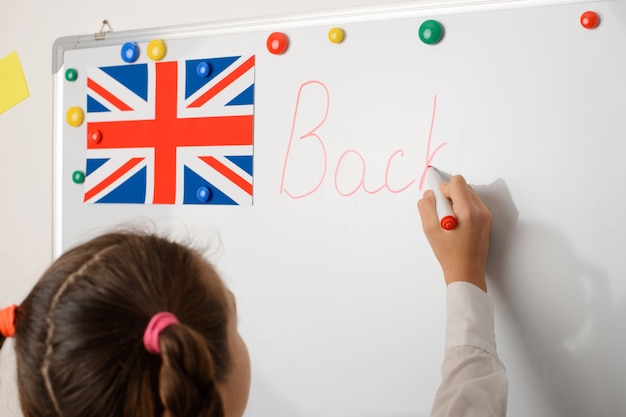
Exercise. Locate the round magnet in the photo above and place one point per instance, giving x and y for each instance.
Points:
(336, 35)
(203, 69)
(95, 136)
(203, 194)
(78, 177)
(589, 19)
(130, 52)
(156, 49)
(431, 32)
(277, 43)
(75, 116)
(71, 74)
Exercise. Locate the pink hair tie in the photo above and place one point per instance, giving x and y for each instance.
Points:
(158, 323)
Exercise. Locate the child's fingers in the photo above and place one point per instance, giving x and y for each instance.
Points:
(428, 211)
(457, 191)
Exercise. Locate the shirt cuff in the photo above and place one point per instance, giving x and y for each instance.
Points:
(470, 317)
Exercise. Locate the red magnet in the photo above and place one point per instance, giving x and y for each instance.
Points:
(277, 43)
(95, 136)
(589, 19)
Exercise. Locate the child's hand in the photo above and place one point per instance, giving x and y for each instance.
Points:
(462, 252)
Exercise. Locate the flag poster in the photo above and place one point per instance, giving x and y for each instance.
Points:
(171, 132)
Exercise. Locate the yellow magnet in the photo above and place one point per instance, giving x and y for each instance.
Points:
(75, 116)
(156, 49)
(336, 35)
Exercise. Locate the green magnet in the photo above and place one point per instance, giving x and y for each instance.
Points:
(78, 177)
(71, 74)
(431, 32)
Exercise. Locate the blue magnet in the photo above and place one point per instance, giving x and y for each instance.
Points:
(203, 69)
(130, 52)
(203, 194)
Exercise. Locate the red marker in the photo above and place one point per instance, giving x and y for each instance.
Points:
(447, 219)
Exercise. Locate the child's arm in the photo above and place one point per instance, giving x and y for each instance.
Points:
(474, 382)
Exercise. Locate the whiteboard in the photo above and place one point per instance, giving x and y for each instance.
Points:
(342, 303)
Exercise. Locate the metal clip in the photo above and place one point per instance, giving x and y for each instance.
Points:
(100, 35)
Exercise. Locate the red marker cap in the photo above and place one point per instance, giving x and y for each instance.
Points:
(448, 222)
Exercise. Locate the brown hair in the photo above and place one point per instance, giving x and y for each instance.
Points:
(78, 336)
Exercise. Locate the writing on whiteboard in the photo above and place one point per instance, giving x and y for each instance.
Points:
(319, 169)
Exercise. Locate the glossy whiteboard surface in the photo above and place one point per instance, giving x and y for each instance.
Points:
(341, 301)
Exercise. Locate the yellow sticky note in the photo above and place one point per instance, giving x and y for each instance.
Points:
(13, 88)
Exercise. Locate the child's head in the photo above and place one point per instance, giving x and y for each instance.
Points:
(79, 335)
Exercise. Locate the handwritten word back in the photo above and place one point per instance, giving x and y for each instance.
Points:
(306, 164)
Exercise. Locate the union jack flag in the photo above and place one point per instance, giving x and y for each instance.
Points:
(166, 133)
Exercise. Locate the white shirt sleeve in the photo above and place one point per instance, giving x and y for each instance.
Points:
(474, 381)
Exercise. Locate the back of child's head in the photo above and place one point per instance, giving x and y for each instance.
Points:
(79, 333)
